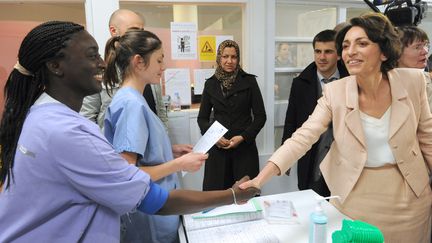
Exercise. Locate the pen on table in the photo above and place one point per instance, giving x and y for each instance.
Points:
(207, 210)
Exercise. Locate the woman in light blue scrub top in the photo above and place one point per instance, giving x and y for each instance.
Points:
(137, 133)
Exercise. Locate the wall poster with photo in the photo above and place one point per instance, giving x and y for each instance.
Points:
(293, 54)
(285, 54)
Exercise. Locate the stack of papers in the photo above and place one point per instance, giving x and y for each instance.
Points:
(252, 206)
(224, 215)
(232, 223)
(280, 212)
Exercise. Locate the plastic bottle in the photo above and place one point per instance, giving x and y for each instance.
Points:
(176, 102)
(318, 225)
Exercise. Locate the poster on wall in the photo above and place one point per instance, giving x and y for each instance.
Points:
(200, 76)
(177, 84)
(183, 41)
(207, 48)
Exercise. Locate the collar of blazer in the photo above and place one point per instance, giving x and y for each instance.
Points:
(400, 110)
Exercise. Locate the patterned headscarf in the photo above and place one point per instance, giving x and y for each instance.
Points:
(227, 79)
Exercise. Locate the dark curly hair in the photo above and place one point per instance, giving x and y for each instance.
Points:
(379, 30)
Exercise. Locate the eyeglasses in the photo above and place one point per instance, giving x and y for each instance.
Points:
(419, 47)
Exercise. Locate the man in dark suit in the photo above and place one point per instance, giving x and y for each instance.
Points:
(305, 91)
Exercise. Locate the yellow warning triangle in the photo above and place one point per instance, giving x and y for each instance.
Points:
(207, 48)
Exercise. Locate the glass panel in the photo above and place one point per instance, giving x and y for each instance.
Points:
(278, 133)
(356, 12)
(292, 55)
(302, 20)
(299, 56)
(283, 82)
(211, 19)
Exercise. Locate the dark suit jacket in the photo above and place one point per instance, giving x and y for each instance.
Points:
(302, 101)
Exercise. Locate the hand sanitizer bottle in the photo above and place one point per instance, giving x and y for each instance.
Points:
(176, 102)
(318, 225)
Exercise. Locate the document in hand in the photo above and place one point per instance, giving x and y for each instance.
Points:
(213, 134)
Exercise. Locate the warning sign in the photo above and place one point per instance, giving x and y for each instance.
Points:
(207, 48)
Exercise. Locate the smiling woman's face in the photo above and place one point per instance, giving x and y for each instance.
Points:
(361, 55)
(82, 66)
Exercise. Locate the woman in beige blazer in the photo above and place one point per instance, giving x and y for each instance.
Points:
(381, 157)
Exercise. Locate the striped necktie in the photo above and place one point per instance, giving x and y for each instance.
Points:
(324, 80)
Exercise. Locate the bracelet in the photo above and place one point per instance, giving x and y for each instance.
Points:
(234, 196)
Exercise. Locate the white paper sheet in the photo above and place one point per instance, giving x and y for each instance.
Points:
(253, 231)
(250, 207)
(213, 134)
(200, 76)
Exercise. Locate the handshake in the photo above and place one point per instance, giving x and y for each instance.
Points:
(244, 189)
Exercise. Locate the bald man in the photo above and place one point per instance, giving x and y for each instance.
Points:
(122, 20)
(94, 106)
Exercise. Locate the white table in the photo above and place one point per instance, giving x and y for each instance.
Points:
(304, 203)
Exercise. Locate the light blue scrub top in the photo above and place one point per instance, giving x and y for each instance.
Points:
(130, 125)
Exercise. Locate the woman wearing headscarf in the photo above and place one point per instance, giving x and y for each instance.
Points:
(236, 101)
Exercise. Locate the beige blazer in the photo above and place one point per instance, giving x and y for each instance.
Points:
(410, 133)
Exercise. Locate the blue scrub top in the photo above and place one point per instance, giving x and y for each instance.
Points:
(131, 126)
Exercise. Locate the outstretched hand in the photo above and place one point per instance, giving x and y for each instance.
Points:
(249, 183)
(243, 195)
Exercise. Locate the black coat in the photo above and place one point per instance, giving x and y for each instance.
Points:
(242, 112)
(302, 101)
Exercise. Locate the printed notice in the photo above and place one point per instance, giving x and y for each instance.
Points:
(183, 41)
(200, 77)
(177, 83)
(213, 134)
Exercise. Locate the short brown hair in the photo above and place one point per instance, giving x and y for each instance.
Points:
(379, 30)
(409, 34)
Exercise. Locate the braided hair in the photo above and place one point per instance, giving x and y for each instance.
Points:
(26, 83)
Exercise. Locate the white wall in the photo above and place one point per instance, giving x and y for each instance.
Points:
(98, 13)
